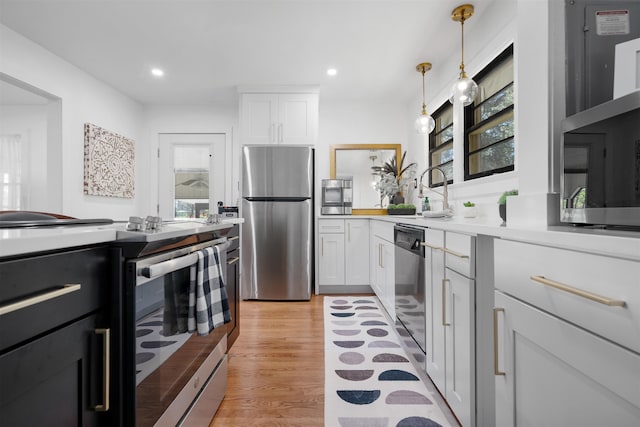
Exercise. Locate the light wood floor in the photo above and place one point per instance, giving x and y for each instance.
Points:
(276, 367)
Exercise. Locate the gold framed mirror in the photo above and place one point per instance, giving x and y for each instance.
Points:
(358, 161)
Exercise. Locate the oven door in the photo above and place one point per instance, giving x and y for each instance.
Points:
(165, 365)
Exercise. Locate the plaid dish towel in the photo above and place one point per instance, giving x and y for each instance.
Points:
(208, 301)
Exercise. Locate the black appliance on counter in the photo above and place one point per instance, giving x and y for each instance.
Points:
(600, 176)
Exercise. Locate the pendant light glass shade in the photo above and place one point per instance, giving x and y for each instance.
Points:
(424, 124)
(464, 89)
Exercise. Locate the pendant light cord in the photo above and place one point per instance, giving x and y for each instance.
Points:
(462, 73)
(424, 106)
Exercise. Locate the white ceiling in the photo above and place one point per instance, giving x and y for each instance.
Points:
(209, 47)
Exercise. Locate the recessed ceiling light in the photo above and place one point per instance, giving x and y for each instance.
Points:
(332, 72)
(157, 72)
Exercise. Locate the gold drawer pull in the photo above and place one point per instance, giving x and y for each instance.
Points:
(28, 302)
(456, 254)
(106, 374)
(231, 239)
(233, 260)
(579, 292)
(431, 246)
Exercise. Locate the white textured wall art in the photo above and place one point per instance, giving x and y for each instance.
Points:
(109, 161)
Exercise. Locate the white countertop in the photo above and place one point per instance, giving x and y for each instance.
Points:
(17, 241)
(622, 244)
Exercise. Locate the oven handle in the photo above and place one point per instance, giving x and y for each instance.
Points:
(166, 267)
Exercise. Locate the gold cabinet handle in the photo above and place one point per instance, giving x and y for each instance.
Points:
(456, 254)
(322, 246)
(444, 303)
(431, 246)
(233, 260)
(496, 367)
(231, 239)
(579, 292)
(106, 363)
(28, 302)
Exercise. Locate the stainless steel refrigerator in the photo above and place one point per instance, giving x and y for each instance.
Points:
(277, 236)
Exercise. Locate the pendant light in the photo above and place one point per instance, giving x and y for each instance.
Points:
(424, 123)
(464, 89)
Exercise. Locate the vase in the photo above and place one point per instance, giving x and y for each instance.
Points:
(503, 212)
(397, 199)
(469, 212)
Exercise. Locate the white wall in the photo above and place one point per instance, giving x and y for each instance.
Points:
(84, 100)
(191, 119)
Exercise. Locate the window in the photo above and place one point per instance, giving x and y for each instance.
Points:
(489, 136)
(441, 145)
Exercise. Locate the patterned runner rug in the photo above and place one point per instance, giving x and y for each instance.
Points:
(369, 380)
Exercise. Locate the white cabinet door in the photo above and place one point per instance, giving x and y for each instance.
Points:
(356, 251)
(377, 271)
(434, 276)
(297, 118)
(331, 260)
(270, 118)
(557, 374)
(459, 320)
(388, 272)
(258, 118)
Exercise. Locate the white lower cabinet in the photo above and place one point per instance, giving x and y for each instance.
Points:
(552, 373)
(566, 337)
(450, 322)
(382, 262)
(343, 252)
(331, 259)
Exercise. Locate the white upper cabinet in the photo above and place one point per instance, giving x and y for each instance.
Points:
(278, 118)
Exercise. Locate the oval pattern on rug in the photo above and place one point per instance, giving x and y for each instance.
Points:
(355, 374)
(365, 307)
(397, 375)
(417, 422)
(351, 358)
(383, 344)
(369, 315)
(377, 332)
(389, 357)
(364, 301)
(407, 397)
(346, 332)
(340, 301)
(342, 314)
(374, 323)
(344, 322)
(359, 397)
(341, 307)
(363, 422)
(349, 344)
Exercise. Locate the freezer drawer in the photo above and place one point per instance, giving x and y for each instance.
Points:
(276, 250)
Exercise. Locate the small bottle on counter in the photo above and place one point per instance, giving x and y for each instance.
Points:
(425, 205)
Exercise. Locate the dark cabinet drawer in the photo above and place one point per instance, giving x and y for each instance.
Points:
(40, 293)
(56, 380)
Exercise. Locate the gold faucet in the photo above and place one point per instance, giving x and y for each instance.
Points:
(444, 194)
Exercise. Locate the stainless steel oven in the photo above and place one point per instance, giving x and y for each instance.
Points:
(170, 376)
(410, 287)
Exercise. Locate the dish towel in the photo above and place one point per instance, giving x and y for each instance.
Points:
(208, 301)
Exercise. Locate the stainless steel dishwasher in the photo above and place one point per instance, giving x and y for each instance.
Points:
(410, 285)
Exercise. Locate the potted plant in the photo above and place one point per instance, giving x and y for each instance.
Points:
(401, 209)
(502, 203)
(469, 210)
(393, 177)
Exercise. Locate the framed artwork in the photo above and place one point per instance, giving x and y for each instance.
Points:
(109, 161)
